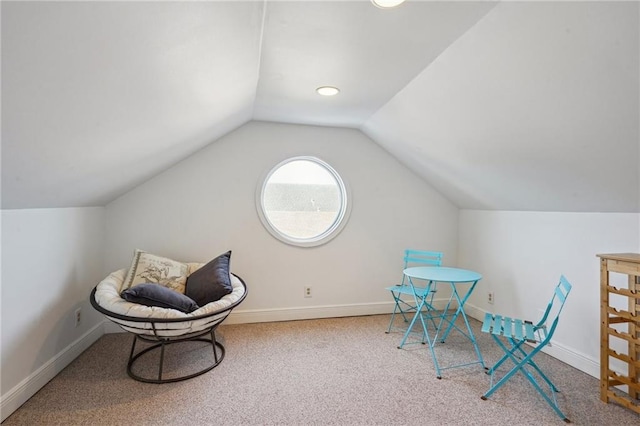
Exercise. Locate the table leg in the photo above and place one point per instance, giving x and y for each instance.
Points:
(460, 311)
(421, 302)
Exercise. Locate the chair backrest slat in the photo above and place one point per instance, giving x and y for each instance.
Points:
(554, 308)
(422, 257)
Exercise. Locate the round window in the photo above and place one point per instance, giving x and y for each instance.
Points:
(303, 201)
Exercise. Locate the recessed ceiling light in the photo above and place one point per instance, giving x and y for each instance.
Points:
(387, 4)
(327, 90)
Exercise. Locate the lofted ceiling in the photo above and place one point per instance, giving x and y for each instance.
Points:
(498, 105)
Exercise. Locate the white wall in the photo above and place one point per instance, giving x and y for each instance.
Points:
(206, 205)
(522, 254)
(51, 259)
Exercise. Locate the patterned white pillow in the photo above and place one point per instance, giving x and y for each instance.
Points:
(149, 268)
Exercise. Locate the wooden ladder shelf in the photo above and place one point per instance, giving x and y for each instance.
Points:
(628, 264)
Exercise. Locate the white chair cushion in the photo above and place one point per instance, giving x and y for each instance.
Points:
(108, 297)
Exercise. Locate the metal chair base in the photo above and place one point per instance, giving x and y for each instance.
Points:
(161, 344)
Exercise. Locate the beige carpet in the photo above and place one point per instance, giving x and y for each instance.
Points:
(342, 371)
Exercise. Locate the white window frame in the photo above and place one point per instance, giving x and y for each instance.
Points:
(331, 232)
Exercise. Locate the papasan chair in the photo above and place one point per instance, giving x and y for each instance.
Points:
(165, 323)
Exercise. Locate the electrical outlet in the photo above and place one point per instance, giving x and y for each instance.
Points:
(78, 316)
(307, 291)
(490, 298)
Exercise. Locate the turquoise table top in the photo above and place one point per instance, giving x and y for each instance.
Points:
(442, 274)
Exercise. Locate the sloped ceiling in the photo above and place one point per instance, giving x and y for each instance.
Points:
(100, 96)
(370, 54)
(509, 106)
(535, 108)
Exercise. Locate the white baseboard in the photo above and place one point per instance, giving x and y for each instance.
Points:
(112, 327)
(575, 359)
(24, 390)
(239, 316)
(313, 312)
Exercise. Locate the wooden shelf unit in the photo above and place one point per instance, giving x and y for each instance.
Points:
(628, 264)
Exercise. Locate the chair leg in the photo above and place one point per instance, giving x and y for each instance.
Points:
(213, 345)
(409, 328)
(517, 346)
(430, 309)
(517, 367)
(403, 312)
(443, 318)
(544, 377)
(162, 345)
(133, 347)
(506, 356)
(520, 367)
(393, 316)
(397, 308)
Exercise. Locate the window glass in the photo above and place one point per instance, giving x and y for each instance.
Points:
(303, 201)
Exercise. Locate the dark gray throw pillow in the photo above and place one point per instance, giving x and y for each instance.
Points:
(152, 294)
(211, 282)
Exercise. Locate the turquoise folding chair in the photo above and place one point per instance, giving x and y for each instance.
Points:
(402, 293)
(517, 332)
